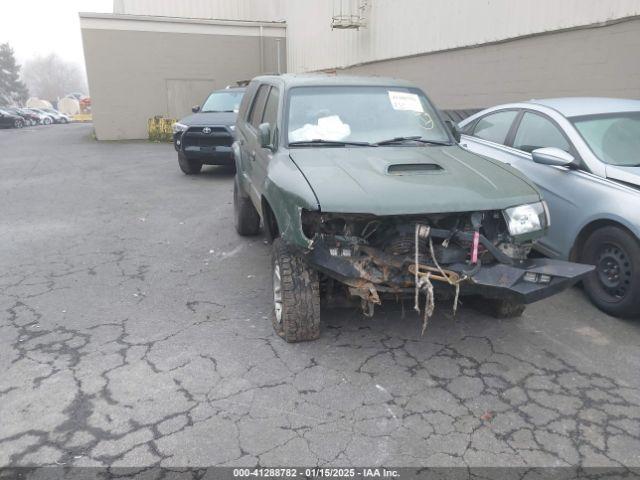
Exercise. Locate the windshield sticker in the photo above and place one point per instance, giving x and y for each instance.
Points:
(405, 101)
(327, 128)
(425, 121)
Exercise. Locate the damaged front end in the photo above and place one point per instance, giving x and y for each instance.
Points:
(439, 255)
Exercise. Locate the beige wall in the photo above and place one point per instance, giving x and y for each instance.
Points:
(398, 28)
(601, 61)
(134, 75)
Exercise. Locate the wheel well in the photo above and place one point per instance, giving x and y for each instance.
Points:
(587, 230)
(269, 220)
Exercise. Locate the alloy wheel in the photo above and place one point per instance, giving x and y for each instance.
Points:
(277, 292)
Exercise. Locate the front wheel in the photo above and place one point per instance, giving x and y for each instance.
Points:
(296, 296)
(47, 121)
(188, 167)
(614, 287)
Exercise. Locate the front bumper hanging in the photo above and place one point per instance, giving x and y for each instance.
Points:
(524, 281)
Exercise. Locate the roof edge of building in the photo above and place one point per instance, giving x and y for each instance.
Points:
(191, 21)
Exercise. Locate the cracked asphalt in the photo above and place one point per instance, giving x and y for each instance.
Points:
(135, 331)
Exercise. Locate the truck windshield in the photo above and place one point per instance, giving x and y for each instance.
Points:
(613, 137)
(223, 102)
(369, 115)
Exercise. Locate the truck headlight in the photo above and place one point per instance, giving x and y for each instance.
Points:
(178, 127)
(525, 219)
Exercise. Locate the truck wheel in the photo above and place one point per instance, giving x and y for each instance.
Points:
(615, 285)
(188, 167)
(296, 296)
(247, 220)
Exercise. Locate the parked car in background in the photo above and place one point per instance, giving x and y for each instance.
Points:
(58, 117)
(367, 194)
(205, 138)
(584, 154)
(44, 118)
(29, 118)
(10, 120)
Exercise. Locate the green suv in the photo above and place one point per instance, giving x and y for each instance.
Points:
(366, 195)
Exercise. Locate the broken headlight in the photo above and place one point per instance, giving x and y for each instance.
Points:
(526, 219)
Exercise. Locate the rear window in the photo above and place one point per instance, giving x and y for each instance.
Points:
(495, 126)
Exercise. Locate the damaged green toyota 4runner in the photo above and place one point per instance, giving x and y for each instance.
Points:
(367, 195)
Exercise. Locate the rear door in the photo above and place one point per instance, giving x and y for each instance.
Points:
(263, 155)
(248, 139)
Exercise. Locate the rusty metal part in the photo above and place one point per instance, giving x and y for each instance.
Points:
(366, 292)
(436, 274)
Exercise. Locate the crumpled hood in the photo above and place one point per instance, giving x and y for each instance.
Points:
(210, 118)
(357, 180)
(629, 175)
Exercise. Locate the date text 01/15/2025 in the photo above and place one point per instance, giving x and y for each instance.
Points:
(337, 473)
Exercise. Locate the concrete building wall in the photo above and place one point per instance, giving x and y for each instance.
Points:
(399, 28)
(139, 68)
(597, 61)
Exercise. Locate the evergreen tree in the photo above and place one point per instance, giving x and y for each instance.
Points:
(12, 90)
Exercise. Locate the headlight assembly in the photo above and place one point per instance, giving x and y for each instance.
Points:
(525, 219)
(178, 127)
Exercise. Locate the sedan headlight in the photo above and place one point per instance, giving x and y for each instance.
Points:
(179, 127)
(525, 219)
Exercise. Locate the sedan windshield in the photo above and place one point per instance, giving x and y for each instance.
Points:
(223, 102)
(614, 137)
(344, 116)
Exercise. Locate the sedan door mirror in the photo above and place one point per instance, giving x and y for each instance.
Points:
(195, 109)
(454, 130)
(264, 135)
(553, 156)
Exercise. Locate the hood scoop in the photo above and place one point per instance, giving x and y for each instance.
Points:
(413, 168)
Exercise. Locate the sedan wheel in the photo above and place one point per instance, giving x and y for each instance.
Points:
(615, 285)
(18, 123)
(47, 121)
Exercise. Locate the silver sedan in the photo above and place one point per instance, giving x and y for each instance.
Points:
(584, 155)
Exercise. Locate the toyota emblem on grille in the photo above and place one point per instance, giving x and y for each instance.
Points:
(206, 130)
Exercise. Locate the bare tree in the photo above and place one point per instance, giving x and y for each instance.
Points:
(51, 77)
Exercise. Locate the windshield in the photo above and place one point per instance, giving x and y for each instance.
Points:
(614, 137)
(362, 114)
(223, 102)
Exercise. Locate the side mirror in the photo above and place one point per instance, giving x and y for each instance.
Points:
(195, 109)
(553, 156)
(264, 135)
(454, 130)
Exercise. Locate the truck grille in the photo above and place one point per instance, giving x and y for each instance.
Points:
(219, 137)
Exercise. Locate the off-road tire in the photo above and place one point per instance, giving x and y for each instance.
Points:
(188, 167)
(300, 290)
(624, 254)
(246, 217)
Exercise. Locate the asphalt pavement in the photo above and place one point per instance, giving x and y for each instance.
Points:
(135, 331)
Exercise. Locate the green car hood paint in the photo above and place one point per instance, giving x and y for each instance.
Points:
(357, 180)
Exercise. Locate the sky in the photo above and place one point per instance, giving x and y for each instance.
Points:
(40, 27)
